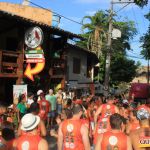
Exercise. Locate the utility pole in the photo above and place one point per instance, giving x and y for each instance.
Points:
(148, 72)
(108, 55)
(109, 44)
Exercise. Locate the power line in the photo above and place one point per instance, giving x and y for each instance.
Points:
(135, 18)
(135, 57)
(54, 12)
(122, 8)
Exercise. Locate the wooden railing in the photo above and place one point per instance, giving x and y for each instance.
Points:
(9, 63)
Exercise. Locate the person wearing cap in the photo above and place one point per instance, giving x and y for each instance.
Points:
(44, 107)
(38, 93)
(34, 109)
(72, 134)
(114, 139)
(141, 135)
(106, 110)
(31, 140)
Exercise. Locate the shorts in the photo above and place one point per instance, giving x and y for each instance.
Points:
(59, 108)
(51, 114)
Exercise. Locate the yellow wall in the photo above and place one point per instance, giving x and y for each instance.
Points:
(33, 13)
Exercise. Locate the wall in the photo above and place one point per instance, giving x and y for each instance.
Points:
(82, 77)
(33, 13)
(141, 75)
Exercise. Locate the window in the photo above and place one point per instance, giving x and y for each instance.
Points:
(76, 65)
(11, 43)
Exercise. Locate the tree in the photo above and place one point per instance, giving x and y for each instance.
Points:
(97, 26)
(122, 70)
(146, 42)
(141, 3)
(146, 45)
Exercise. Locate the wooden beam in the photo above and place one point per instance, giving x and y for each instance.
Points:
(6, 64)
(10, 54)
(8, 75)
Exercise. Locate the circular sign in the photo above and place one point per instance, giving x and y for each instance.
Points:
(70, 127)
(33, 37)
(113, 140)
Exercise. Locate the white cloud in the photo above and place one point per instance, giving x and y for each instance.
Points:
(90, 13)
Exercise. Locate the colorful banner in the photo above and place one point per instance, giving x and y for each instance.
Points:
(17, 91)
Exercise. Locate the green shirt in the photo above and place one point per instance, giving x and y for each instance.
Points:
(22, 108)
(52, 101)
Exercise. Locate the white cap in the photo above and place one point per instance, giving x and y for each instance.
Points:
(29, 122)
(39, 92)
(125, 101)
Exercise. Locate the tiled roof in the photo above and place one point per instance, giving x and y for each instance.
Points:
(51, 28)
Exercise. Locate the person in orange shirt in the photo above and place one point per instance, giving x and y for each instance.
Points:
(143, 133)
(34, 109)
(31, 140)
(133, 123)
(102, 125)
(73, 134)
(114, 139)
(44, 107)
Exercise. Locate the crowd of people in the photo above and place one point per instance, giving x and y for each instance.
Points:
(91, 122)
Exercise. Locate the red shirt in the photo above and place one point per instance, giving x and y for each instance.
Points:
(115, 141)
(72, 135)
(28, 142)
(44, 109)
(107, 110)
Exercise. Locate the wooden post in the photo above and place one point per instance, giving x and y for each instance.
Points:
(20, 62)
(0, 61)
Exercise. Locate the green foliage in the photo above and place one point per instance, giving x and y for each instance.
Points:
(122, 70)
(146, 41)
(95, 29)
(141, 3)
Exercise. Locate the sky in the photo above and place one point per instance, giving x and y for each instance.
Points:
(77, 9)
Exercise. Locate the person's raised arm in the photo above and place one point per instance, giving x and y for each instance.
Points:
(96, 114)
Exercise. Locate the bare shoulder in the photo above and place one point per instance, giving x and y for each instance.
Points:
(43, 145)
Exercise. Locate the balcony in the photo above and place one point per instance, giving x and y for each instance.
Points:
(10, 63)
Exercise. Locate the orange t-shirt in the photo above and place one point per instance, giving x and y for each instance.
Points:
(72, 135)
(28, 142)
(107, 110)
(103, 125)
(115, 141)
(44, 109)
